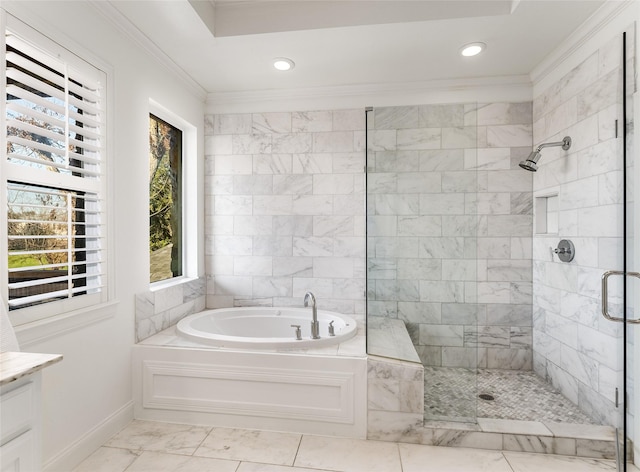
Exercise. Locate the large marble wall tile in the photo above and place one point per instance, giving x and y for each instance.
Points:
(509, 181)
(514, 359)
(449, 247)
(292, 143)
(437, 116)
(459, 181)
(441, 335)
(509, 225)
(494, 292)
(230, 124)
(348, 120)
(418, 225)
(420, 183)
(508, 270)
(509, 315)
(491, 204)
(271, 123)
(397, 117)
(417, 139)
(442, 204)
(599, 95)
(233, 165)
(504, 113)
(419, 312)
(218, 145)
(489, 159)
(439, 160)
(460, 357)
(421, 269)
(311, 121)
(509, 135)
(599, 346)
(312, 163)
(397, 161)
(459, 137)
(386, 204)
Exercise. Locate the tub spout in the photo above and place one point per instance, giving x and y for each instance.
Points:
(315, 326)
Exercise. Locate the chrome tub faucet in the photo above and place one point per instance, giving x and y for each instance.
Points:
(315, 326)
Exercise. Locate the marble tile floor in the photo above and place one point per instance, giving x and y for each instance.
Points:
(166, 447)
(452, 394)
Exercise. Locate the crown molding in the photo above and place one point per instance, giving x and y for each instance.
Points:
(125, 26)
(607, 21)
(485, 89)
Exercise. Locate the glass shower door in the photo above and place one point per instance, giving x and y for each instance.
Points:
(620, 285)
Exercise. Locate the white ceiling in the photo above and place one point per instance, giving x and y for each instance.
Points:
(228, 46)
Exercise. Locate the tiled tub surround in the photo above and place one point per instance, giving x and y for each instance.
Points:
(160, 308)
(450, 221)
(285, 209)
(575, 348)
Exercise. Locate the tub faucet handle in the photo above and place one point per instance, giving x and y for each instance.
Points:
(331, 329)
(298, 332)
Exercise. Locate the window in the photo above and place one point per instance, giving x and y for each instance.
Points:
(52, 178)
(165, 200)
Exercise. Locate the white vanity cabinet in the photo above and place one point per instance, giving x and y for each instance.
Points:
(20, 410)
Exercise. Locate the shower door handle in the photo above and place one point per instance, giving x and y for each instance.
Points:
(605, 295)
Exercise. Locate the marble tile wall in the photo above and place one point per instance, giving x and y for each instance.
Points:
(450, 224)
(575, 348)
(285, 209)
(161, 308)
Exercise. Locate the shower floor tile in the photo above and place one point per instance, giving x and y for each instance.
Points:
(451, 394)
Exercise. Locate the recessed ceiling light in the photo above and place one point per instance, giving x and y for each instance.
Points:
(283, 63)
(472, 49)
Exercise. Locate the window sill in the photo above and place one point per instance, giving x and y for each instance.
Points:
(41, 330)
(164, 284)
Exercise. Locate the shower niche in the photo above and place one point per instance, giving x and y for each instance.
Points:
(546, 214)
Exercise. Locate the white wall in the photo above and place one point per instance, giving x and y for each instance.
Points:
(88, 396)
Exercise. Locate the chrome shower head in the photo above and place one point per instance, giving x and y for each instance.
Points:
(531, 163)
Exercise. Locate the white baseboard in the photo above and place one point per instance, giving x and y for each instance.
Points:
(86, 444)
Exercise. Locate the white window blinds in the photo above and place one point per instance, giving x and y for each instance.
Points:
(54, 177)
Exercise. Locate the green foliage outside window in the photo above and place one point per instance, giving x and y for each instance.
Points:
(165, 199)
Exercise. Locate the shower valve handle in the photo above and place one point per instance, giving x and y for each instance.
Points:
(566, 251)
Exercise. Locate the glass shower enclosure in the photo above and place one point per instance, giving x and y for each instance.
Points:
(422, 266)
(462, 276)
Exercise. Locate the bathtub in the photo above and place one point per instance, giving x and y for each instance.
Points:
(265, 328)
(256, 375)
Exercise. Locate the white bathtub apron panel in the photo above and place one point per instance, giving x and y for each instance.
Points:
(310, 394)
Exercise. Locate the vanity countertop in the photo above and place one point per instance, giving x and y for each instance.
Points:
(14, 365)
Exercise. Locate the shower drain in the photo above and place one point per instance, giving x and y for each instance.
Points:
(486, 396)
